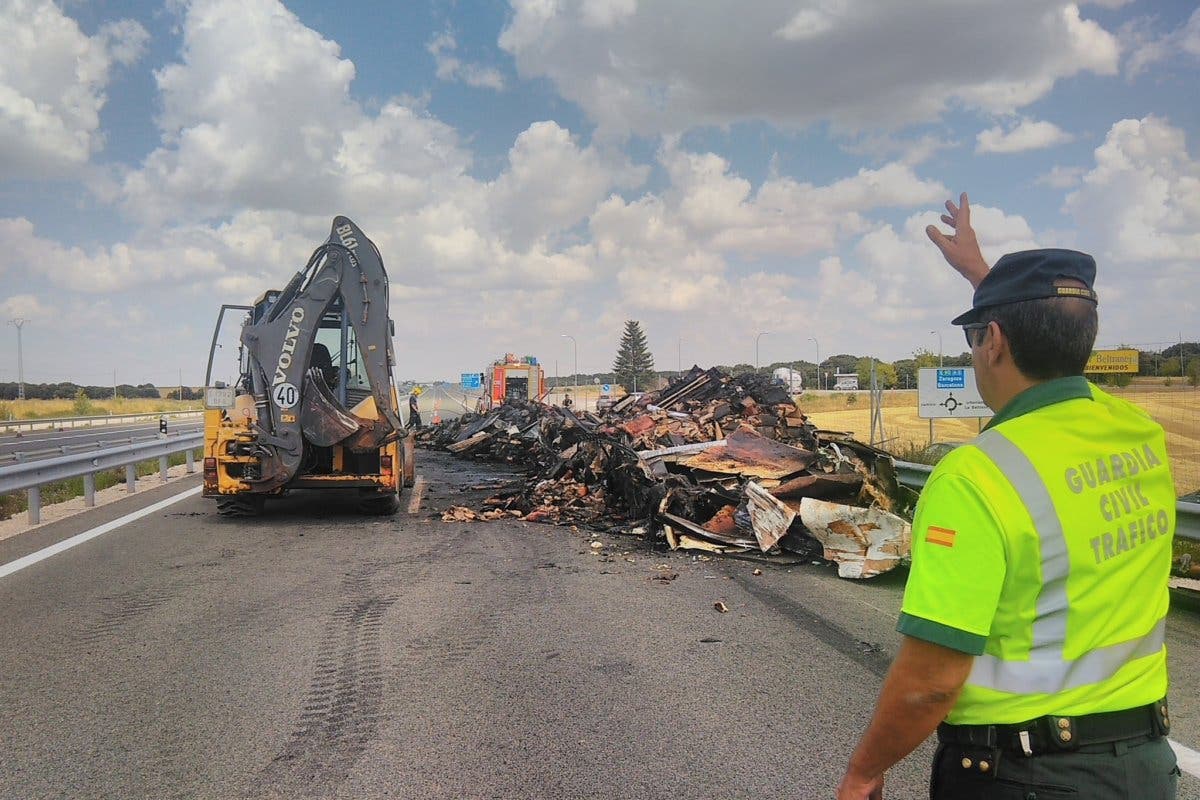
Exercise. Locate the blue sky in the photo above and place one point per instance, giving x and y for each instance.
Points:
(539, 167)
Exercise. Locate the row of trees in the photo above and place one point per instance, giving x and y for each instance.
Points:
(70, 391)
(634, 365)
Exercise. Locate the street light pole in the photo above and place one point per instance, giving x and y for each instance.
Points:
(813, 339)
(756, 338)
(18, 323)
(575, 349)
(941, 359)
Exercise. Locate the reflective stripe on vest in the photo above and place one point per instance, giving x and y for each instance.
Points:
(1047, 671)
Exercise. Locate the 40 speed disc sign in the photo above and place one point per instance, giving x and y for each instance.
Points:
(285, 395)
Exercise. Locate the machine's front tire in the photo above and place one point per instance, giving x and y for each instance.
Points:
(379, 505)
(241, 506)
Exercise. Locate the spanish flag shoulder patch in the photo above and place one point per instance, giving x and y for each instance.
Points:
(942, 536)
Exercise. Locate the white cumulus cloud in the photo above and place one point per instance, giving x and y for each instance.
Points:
(53, 81)
(25, 306)
(552, 183)
(1147, 49)
(451, 68)
(646, 72)
(1140, 203)
(1060, 177)
(1028, 134)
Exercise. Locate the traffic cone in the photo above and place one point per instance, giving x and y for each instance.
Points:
(437, 415)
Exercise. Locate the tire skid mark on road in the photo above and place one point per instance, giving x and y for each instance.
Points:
(425, 659)
(341, 713)
(508, 588)
(866, 655)
(119, 611)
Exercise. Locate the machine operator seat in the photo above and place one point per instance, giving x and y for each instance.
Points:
(324, 362)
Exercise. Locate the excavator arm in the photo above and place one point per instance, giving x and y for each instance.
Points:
(292, 399)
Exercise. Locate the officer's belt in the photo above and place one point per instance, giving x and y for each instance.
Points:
(1057, 734)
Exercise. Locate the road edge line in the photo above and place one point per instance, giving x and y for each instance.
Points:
(80, 538)
(418, 491)
(1188, 759)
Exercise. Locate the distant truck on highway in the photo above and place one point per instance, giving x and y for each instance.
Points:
(790, 379)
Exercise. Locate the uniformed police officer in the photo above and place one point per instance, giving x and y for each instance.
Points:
(1035, 610)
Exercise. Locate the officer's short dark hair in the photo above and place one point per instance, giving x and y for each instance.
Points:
(1050, 337)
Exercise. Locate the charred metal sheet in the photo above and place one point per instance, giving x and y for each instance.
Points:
(639, 425)
(819, 486)
(750, 454)
(469, 443)
(877, 469)
(655, 461)
(723, 522)
(733, 540)
(864, 542)
(770, 517)
(681, 541)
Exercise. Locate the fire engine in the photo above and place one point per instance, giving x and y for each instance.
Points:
(520, 378)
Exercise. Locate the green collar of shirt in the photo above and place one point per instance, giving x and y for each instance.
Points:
(1041, 395)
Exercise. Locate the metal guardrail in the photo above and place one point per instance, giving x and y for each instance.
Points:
(61, 422)
(1187, 515)
(35, 474)
(67, 449)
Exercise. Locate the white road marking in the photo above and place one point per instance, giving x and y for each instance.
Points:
(67, 544)
(1189, 759)
(418, 490)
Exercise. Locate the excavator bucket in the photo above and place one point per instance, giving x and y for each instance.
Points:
(322, 420)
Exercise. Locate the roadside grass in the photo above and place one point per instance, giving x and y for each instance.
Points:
(916, 452)
(1189, 547)
(810, 402)
(62, 491)
(48, 409)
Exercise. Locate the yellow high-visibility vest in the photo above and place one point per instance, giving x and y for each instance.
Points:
(1043, 547)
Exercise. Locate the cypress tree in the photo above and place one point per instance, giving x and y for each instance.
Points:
(634, 366)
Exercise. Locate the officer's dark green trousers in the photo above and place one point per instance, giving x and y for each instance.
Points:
(1140, 769)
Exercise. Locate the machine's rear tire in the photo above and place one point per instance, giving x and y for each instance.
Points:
(250, 506)
(379, 505)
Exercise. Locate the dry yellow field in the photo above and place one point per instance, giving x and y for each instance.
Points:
(45, 409)
(1177, 409)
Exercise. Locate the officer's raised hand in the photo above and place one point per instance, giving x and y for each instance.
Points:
(961, 248)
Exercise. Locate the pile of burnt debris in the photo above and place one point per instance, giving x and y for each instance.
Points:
(711, 462)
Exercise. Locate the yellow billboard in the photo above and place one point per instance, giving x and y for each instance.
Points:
(1113, 361)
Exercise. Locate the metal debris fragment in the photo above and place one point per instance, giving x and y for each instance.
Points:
(863, 541)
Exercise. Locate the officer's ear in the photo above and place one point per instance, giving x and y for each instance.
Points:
(993, 345)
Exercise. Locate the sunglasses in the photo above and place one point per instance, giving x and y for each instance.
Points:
(973, 326)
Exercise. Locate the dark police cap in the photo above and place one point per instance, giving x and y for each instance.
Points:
(1031, 275)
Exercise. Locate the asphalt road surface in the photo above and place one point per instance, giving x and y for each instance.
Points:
(43, 443)
(314, 653)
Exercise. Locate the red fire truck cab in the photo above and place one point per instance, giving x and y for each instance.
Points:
(517, 377)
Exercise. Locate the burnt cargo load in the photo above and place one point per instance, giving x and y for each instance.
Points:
(712, 462)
